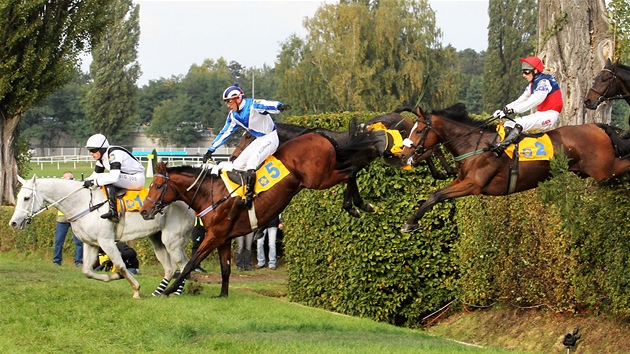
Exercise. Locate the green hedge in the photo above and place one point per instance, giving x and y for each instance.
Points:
(564, 245)
(367, 267)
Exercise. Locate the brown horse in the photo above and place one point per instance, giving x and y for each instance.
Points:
(612, 83)
(593, 150)
(312, 161)
(364, 156)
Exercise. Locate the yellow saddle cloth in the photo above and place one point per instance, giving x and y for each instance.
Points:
(393, 136)
(529, 149)
(271, 172)
(132, 200)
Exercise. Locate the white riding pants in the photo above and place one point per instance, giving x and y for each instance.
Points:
(542, 121)
(256, 152)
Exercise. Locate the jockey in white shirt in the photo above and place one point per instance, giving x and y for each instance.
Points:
(125, 171)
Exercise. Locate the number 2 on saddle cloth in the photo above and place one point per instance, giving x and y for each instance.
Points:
(529, 149)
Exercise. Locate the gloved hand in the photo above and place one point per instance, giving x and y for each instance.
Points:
(88, 183)
(508, 111)
(283, 107)
(498, 114)
(207, 156)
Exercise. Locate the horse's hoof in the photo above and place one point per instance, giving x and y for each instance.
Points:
(354, 212)
(409, 228)
(369, 208)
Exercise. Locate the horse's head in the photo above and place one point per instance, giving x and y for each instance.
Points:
(606, 86)
(417, 146)
(161, 193)
(245, 140)
(28, 203)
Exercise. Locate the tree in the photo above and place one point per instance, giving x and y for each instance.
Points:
(113, 98)
(373, 55)
(574, 42)
(41, 42)
(618, 12)
(62, 112)
(511, 35)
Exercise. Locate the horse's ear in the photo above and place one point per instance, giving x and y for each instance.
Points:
(608, 63)
(22, 180)
(419, 112)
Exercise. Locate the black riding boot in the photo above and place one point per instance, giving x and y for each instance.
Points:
(509, 139)
(250, 181)
(112, 214)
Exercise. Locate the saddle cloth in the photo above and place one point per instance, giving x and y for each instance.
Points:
(132, 199)
(529, 149)
(394, 140)
(268, 175)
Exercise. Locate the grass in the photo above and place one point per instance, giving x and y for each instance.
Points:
(51, 309)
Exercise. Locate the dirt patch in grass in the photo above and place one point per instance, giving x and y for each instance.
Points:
(535, 330)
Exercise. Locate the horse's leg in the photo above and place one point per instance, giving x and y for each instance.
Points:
(434, 171)
(453, 190)
(208, 244)
(225, 255)
(165, 260)
(89, 257)
(348, 198)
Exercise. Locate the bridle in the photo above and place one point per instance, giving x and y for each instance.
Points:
(421, 150)
(425, 132)
(602, 95)
(159, 203)
(30, 214)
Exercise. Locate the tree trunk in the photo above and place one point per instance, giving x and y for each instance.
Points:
(574, 43)
(8, 177)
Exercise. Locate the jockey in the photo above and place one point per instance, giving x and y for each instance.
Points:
(543, 93)
(125, 171)
(254, 116)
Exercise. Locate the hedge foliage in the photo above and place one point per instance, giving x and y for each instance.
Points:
(367, 267)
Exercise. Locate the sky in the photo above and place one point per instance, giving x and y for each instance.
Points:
(176, 34)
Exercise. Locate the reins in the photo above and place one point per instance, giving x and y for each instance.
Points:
(428, 126)
(30, 214)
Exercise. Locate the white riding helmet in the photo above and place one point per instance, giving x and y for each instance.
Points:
(97, 141)
(232, 92)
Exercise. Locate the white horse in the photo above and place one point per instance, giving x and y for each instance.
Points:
(82, 205)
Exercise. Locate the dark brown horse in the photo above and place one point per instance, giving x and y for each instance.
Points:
(612, 83)
(312, 161)
(593, 150)
(352, 200)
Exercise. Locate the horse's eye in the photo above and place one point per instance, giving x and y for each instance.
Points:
(26, 199)
(159, 186)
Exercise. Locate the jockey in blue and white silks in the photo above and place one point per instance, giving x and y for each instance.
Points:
(255, 117)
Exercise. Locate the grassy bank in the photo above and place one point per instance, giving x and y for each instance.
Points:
(50, 309)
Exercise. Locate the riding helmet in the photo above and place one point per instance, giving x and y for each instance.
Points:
(97, 141)
(532, 63)
(232, 92)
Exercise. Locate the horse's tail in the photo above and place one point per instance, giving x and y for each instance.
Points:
(360, 142)
(621, 145)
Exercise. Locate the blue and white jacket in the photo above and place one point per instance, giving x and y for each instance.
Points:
(253, 115)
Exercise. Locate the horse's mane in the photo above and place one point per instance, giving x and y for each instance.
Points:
(458, 113)
(624, 70)
(184, 169)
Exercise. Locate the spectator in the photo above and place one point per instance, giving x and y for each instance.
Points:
(198, 234)
(244, 252)
(61, 230)
(270, 232)
(128, 254)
